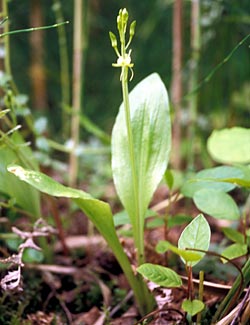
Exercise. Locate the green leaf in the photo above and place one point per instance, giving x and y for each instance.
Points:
(31, 255)
(244, 180)
(230, 145)
(189, 256)
(150, 120)
(178, 179)
(160, 275)
(234, 235)
(98, 212)
(234, 251)
(155, 223)
(26, 197)
(217, 204)
(122, 218)
(169, 179)
(212, 178)
(192, 307)
(14, 243)
(178, 220)
(196, 235)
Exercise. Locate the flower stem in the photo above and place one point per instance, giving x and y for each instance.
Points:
(138, 217)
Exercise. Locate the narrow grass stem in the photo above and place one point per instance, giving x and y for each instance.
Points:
(76, 91)
(201, 292)
(64, 66)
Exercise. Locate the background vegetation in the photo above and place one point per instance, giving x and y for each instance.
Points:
(222, 102)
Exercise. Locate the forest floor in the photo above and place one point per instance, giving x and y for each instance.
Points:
(84, 285)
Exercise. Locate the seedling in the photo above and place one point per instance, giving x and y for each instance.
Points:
(195, 236)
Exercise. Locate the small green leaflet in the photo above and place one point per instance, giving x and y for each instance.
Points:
(160, 275)
(192, 307)
(188, 256)
(234, 251)
(196, 235)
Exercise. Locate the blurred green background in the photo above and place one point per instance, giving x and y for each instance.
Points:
(224, 101)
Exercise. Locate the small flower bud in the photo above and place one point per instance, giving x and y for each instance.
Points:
(113, 39)
(132, 29)
(125, 15)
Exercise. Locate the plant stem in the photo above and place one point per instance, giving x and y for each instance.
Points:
(193, 81)
(139, 219)
(6, 65)
(143, 297)
(64, 67)
(201, 292)
(176, 91)
(77, 85)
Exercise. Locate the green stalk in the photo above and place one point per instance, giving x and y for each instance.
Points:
(145, 301)
(137, 218)
(194, 72)
(77, 96)
(64, 67)
(7, 66)
(201, 293)
(144, 298)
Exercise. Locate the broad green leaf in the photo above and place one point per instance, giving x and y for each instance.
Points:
(234, 251)
(230, 145)
(244, 180)
(150, 120)
(234, 235)
(212, 178)
(188, 256)
(196, 235)
(192, 307)
(98, 211)
(26, 197)
(217, 204)
(160, 275)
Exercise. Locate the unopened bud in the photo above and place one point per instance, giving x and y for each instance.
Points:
(113, 39)
(132, 29)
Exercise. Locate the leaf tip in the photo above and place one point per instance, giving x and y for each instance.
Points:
(17, 171)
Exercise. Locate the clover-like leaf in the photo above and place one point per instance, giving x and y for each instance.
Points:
(192, 307)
